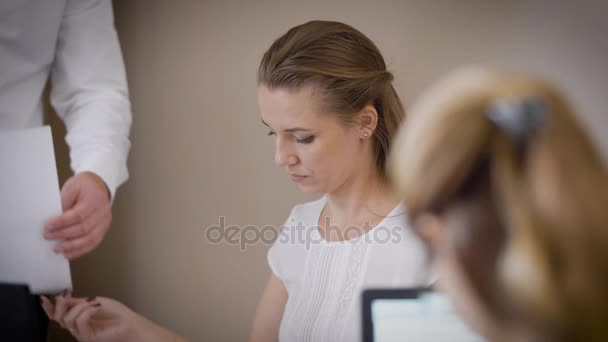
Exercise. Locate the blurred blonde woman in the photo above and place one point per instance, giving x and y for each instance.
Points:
(513, 204)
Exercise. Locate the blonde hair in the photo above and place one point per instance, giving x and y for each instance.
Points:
(549, 194)
(346, 68)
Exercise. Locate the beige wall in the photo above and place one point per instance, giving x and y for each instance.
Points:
(200, 151)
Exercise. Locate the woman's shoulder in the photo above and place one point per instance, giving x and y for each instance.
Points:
(398, 226)
(310, 209)
(398, 218)
(302, 219)
(288, 254)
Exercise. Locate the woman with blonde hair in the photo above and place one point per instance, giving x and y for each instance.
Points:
(507, 190)
(326, 96)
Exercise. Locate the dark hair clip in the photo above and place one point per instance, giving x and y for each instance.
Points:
(519, 119)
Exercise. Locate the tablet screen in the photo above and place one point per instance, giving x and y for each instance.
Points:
(427, 317)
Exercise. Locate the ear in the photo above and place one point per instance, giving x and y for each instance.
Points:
(368, 120)
(430, 228)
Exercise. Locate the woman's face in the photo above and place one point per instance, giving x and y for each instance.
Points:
(318, 151)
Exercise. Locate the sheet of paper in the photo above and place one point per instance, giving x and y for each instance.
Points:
(29, 196)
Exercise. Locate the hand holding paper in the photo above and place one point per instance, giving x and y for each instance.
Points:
(86, 218)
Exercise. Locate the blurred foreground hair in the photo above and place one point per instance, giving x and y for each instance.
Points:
(513, 141)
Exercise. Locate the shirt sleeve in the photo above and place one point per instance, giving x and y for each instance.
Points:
(89, 91)
(280, 250)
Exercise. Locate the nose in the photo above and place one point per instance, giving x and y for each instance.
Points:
(284, 154)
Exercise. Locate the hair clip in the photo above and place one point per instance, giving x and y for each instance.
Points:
(519, 119)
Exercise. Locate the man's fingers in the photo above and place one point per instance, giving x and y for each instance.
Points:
(68, 218)
(77, 243)
(88, 233)
(72, 232)
(76, 247)
(78, 252)
(73, 216)
(69, 194)
(98, 218)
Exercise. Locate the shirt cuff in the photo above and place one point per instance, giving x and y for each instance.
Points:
(111, 174)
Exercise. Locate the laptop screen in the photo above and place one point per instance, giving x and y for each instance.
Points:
(412, 315)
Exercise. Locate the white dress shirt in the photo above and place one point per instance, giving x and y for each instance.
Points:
(74, 43)
(325, 279)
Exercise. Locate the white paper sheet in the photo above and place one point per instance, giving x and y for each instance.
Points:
(29, 196)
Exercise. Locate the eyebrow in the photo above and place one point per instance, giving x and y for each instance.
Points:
(290, 130)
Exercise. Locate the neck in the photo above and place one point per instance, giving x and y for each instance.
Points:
(366, 193)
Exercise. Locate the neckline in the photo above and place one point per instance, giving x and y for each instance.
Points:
(323, 201)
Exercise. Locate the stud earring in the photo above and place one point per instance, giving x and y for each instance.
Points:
(365, 136)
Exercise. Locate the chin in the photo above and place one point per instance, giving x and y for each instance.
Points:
(310, 189)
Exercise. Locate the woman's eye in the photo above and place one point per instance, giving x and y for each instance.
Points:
(306, 140)
(271, 133)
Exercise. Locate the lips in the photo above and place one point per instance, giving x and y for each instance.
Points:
(297, 178)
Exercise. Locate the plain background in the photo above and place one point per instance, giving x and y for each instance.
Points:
(200, 151)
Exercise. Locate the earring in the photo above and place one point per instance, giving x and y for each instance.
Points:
(364, 136)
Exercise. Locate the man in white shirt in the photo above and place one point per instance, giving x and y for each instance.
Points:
(72, 43)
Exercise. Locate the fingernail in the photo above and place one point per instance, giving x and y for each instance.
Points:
(90, 299)
(64, 293)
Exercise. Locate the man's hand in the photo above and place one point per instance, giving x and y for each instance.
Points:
(87, 214)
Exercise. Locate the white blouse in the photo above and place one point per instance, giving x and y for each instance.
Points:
(325, 279)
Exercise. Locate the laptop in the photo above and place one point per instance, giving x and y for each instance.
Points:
(418, 314)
